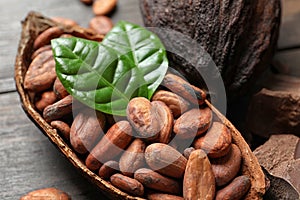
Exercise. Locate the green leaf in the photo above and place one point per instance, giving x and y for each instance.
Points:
(131, 61)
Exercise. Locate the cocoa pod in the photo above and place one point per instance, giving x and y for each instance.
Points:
(46, 194)
(47, 98)
(228, 166)
(104, 7)
(144, 118)
(176, 103)
(221, 29)
(59, 89)
(117, 138)
(235, 190)
(183, 88)
(59, 109)
(216, 142)
(166, 120)
(101, 24)
(41, 72)
(133, 158)
(46, 36)
(64, 21)
(165, 160)
(193, 123)
(86, 130)
(199, 180)
(153, 180)
(62, 127)
(160, 196)
(108, 169)
(127, 184)
(40, 50)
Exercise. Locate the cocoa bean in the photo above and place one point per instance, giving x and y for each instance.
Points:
(193, 123)
(46, 194)
(199, 180)
(153, 180)
(216, 142)
(59, 109)
(133, 158)
(59, 89)
(127, 184)
(165, 160)
(62, 127)
(108, 169)
(47, 98)
(176, 103)
(104, 7)
(40, 50)
(144, 118)
(117, 138)
(183, 88)
(187, 152)
(160, 196)
(235, 190)
(228, 166)
(45, 37)
(41, 72)
(87, 2)
(101, 24)
(166, 120)
(86, 130)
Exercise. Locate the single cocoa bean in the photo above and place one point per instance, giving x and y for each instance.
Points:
(187, 152)
(62, 127)
(235, 190)
(183, 88)
(47, 98)
(45, 37)
(228, 166)
(117, 138)
(86, 130)
(199, 180)
(46, 194)
(144, 118)
(104, 7)
(216, 142)
(166, 120)
(165, 160)
(40, 50)
(101, 24)
(193, 123)
(153, 180)
(127, 184)
(108, 169)
(59, 109)
(64, 21)
(176, 103)
(133, 158)
(59, 89)
(41, 72)
(160, 196)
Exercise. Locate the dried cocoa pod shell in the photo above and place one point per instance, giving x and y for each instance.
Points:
(223, 30)
(32, 26)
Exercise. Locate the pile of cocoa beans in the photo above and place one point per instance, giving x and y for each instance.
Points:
(172, 147)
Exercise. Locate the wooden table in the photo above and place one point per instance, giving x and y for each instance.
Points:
(28, 161)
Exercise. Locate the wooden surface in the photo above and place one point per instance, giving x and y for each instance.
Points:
(28, 160)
